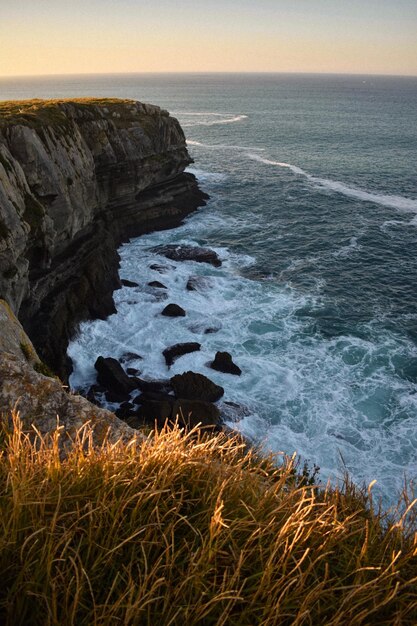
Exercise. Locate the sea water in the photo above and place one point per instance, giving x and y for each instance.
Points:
(313, 210)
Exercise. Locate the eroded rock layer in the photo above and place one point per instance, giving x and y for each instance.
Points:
(76, 179)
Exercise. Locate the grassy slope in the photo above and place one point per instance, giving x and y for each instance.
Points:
(190, 532)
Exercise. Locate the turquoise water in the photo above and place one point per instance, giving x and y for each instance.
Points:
(313, 209)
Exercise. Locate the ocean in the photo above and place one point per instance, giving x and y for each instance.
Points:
(313, 210)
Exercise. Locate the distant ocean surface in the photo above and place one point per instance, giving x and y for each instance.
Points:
(313, 209)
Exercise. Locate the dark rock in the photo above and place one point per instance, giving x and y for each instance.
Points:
(192, 386)
(116, 397)
(153, 411)
(190, 413)
(130, 356)
(233, 411)
(223, 363)
(156, 284)
(154, 396)
(112, 376)
(162, 269)
(97, 388)
(129, 283)
(197, 283)
(156, 386)
(201, 327)
(132, 371)
(189, 253)
(173, 310)
(91, 395)
(179, 349)
(125, 410)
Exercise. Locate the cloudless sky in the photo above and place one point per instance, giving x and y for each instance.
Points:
(83, 36)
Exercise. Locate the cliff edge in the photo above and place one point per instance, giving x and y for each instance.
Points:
(77, 177)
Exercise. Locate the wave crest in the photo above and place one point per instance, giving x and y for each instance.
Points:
(391, 201)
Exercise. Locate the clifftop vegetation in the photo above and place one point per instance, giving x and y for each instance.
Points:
(190, 530)
(44, 112)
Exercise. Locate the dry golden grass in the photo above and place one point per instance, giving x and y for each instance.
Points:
(187, 530)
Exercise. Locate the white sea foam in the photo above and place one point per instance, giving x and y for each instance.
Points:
(204, 176)
(200, 113)
(325, 399)
(346, 251)
(390, 201)
(232, 119)
(222, 146)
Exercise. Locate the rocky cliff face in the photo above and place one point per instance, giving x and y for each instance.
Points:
(76, 179)
(27, 387)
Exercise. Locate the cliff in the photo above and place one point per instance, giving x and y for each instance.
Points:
(77, 177)
(27, 386)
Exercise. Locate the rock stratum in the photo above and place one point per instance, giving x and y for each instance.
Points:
(78, 177)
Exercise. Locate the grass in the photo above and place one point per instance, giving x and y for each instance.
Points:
(183, 529)
(43, 368)
(39, 113)
(26, 350)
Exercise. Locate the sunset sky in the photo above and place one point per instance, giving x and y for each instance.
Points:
(87, 36)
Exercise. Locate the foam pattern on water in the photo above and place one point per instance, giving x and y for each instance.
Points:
(340, 403)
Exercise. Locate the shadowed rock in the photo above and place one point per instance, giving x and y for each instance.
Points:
(154, 396)
(130, 356)
(156, 284)
(116, 397)
(179, 349)
(223, 363)
(152, 411)
(129, 283)
(173, 310)
(162, 269)
(190, 413)
(111, 375)
(192, 386)
(155, 386)
(189, 253)
(125, 410)
(132, 371)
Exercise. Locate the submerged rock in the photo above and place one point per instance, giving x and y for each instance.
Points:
(197, 283)
(179, 349)
(189, 253)
(223, 363)
(193, 386)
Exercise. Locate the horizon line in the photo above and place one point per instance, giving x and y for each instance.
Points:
(203, 72)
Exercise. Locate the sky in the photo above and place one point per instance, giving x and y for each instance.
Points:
(39, 37)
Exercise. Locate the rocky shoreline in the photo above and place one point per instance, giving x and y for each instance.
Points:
(189, 398)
